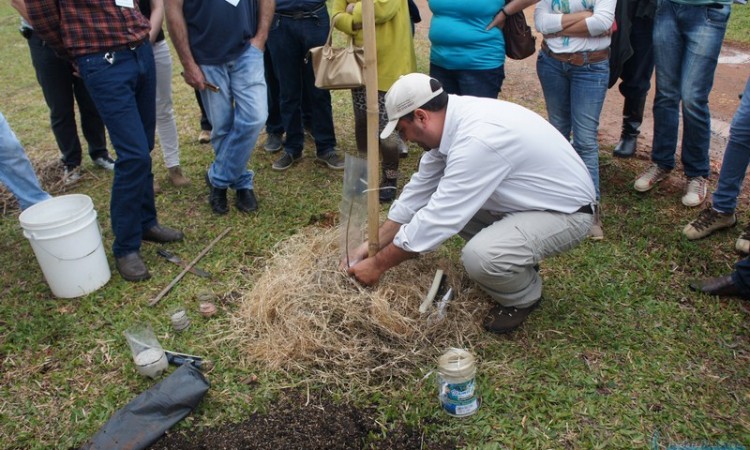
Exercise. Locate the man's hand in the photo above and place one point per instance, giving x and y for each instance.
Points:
(366, 272)
(355, 256)
(258, 43)
(193, 76)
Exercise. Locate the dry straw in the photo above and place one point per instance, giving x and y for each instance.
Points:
(305, 316)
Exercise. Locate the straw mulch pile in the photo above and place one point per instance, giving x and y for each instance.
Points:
(305, 316)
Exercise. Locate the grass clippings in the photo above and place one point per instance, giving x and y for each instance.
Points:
(306, 316)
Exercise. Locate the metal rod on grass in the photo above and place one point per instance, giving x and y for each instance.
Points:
(187, 268)
(373, 148)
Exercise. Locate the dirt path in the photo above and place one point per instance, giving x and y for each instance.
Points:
(522, 86)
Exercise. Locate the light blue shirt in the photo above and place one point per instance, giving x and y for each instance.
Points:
(458, 37)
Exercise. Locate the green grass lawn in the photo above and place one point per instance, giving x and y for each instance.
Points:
(621, 355)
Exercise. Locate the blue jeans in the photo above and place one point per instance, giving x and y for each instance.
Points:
(16, 172)
(123, 87)
(289, 41)
(574, 96)
(237, 113)
(741, 276)
(274, 125)
(687, 41)
(479, 83)
(736, 157)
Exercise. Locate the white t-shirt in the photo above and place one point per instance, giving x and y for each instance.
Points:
(495, 156)
(548, 20)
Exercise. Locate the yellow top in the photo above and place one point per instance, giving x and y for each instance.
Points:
(394, 42)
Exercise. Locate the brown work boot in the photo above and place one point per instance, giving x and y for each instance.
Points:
(132, 267)
(176, 177)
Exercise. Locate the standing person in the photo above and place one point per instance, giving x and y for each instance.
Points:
(110, 47)
(485, 175)
(635, 32)
(395, 57)
(16, 172)
(721, 214)
(687, 40)
(573, 68)
(220, 45)
(61, 90)
(298, 26)
(165, 123)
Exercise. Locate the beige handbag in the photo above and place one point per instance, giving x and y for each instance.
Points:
(338, 68)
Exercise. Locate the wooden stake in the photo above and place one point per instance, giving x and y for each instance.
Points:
(373, 147)
(187, 268)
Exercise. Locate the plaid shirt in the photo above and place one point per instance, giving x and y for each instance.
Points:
(76, 28)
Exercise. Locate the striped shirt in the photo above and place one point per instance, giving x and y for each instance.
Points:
(76, 28)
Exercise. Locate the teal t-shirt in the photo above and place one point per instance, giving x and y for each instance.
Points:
(458, 38)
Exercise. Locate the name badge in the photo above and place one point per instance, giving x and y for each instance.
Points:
(125, 3)
(233, 2)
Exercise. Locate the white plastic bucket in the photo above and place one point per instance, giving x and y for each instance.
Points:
(66, 240)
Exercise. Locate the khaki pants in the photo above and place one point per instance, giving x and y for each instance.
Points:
(502, 250)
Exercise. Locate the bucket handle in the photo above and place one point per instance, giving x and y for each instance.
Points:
(72, 259)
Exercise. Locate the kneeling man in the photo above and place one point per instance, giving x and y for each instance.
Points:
(495, 173)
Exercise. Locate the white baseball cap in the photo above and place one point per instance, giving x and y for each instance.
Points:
(408, 93)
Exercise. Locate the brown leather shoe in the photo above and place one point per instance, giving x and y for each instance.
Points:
(132, 267)
(721, 286)
(162, 235)
(502, 319)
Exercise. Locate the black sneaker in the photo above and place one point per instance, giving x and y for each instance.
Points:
(274, 142)
(245, 200)
(286, 161)
(503, 319)
(332, 160)
(105, 162)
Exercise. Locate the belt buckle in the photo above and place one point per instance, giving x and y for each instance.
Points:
(134, 45)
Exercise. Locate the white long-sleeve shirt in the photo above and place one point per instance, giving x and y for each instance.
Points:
(548, 20)
(495, 156)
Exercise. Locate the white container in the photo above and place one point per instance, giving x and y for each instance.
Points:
(456, 383)
(67, 242)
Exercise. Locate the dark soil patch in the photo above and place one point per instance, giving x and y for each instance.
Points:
(296, 422)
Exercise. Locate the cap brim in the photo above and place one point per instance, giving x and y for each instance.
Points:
(389, 128)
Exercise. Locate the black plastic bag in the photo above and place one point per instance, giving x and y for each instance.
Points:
(147, 417)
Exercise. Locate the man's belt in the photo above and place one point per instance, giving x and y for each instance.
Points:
(129, 46)
(298, 15)
(577, 58)
(586, 209)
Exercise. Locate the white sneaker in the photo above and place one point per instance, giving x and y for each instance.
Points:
(105, 162)
(743, 242)
(695, 191)
(648, 179)
(71, 175)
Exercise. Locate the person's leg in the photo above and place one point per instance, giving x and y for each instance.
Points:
(55, 76)
(92, 125)
(122, 93)
(165, 122)
(359, 106)
(588, 88)
(669, 56)
(736, 157)
(636, 82)
(314, 33)
(555, 80)
(481, 83)
(502, 251)
(273, 124)
(287, 52)
(703, 27)
(447, 78)
(205, 123)
(390, 148)
(236, 127)
(741, 276)
(16, 172)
